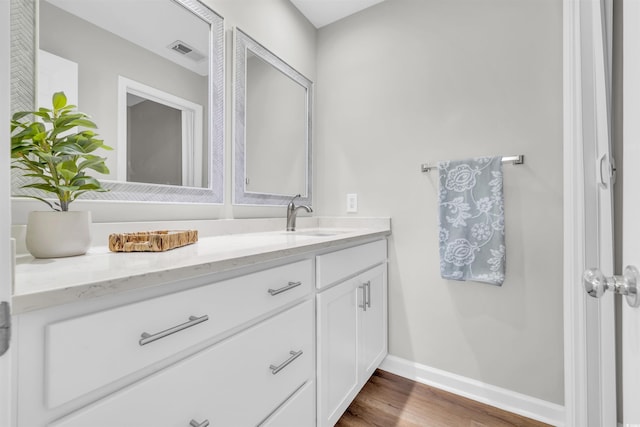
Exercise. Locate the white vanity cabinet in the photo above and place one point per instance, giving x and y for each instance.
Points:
(351, 326)
(284, 341)
(232, 352)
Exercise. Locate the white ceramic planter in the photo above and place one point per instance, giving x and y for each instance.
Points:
(54, 234)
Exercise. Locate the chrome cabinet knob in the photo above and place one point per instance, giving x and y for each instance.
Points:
(596, 284)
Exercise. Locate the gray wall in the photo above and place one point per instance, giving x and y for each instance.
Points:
(414, 81)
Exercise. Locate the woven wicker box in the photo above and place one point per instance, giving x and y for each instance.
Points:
(151, 241)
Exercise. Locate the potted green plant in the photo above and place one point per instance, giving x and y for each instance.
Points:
(52, 147)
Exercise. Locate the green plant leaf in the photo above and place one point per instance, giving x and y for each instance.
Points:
(59, 100)
(37, 128)
(19, 147)
(43, 187)
(45, 116)
(32, 164)
(49, 158)
(68, 188)
(20, 114)
(40, 137)
(18, 164)
(92, 145)
(67, 170)
(84, 123)
(61, 129)
(100, 167)
(69, 107)
(43, 177)
(69, 148)
(65, 119)
(88, 144)
(23, 137)
(87, 183)
(94, 162)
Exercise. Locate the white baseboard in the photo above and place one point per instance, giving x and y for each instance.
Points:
(507, 400)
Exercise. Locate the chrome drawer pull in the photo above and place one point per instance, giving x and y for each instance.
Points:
(294, 356)
(193, 321)
(194, 423)
(291, 285)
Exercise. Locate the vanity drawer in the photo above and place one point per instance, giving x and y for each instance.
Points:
(88, 352)
(229, 384)
(298, 411)
(336, 266)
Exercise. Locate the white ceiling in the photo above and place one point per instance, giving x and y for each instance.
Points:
(324, 12)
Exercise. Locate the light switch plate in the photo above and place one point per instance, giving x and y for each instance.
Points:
(352, 203)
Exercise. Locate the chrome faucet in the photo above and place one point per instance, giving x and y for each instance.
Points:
(292, 212)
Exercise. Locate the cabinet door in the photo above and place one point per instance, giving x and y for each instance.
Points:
(373, 321)
(337, 337)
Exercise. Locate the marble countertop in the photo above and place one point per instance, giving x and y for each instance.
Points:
(41, 283)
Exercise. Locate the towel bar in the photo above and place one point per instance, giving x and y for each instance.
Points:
(516, 160)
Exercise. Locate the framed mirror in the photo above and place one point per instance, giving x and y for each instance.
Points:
(149, 73)
(272, 127)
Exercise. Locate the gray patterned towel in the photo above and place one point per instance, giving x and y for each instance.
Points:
(472, 220)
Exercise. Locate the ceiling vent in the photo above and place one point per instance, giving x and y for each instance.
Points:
(185, 50)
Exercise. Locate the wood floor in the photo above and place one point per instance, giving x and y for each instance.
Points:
(388, 400)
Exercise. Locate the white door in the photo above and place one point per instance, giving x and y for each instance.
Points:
(590, 388)
(5, 209)
(631, 208)
(599, 223)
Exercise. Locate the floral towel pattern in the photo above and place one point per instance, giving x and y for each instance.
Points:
(472, 220)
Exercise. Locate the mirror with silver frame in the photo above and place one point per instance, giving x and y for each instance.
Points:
(150, 74)
(272, 127)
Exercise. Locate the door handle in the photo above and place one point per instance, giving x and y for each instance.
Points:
(363, 306)
(596, 284)
(368, 287)
(607, 167)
